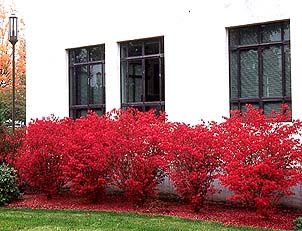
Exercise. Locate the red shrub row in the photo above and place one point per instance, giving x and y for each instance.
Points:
(132, 151)
(119, 150)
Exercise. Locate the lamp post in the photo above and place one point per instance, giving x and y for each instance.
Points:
(13, 38)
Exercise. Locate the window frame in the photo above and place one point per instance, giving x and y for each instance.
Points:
(143, 104)
(74, 108)
(239, 102)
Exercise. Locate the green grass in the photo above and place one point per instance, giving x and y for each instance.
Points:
(34, 219)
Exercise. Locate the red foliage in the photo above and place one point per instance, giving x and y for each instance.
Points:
(40, 156)
(86, 166)
(137, 161)
(194, 161)
(119, 150)
(262, 156)
(9, 144)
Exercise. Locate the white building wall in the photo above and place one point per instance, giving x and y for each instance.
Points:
(196, 50)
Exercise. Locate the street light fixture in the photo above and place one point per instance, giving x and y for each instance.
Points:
(13, 38)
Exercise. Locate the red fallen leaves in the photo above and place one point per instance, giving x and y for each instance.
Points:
(280, 219)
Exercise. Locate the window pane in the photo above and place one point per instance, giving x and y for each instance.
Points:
(134, 49)
(271, 33)
(162, 79)
(234, 74)
(135, 92)
(287, 71)
(81, 78)
(234, 106)
(269, 106)
(81, 55)
(97, 84)
(152, 79)
(249, 74)
(81, 113)
(124, 81)
(162, 46)
(152, 47)
(124, 53)
(244, 108)
(233, 37)
(100, 111)
(286, 32)
(272, 72)
(248, 36)
(97, 53)
(71, 57)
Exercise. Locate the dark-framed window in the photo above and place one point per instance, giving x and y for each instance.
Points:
(259, 66)
(86, 80)
(142, 74)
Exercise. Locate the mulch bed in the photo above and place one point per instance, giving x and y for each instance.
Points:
(219, 212)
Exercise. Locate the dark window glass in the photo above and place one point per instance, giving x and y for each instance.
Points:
(287, 71)
(234, 75)
(272, 72)
(142, 74)
(233, 38)
(97, 84)
(81, 81)
(260, 66)
(87, 80)
(286, 31)
(271, 33)
(268, 107)
(151, 48)
(152, 79)
(249, 74)
(97, 53)
(243, 106)
(248, 36)
(135, 49)
(124, 82)
(135, 79)
(81, 55)
(124, 51)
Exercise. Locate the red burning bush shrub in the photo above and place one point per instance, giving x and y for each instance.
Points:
(86, 165)
(137, 161)
(194, 161)
(40, 157)
(262, 158)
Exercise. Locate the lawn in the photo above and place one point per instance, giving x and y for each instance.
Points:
(39, 219)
